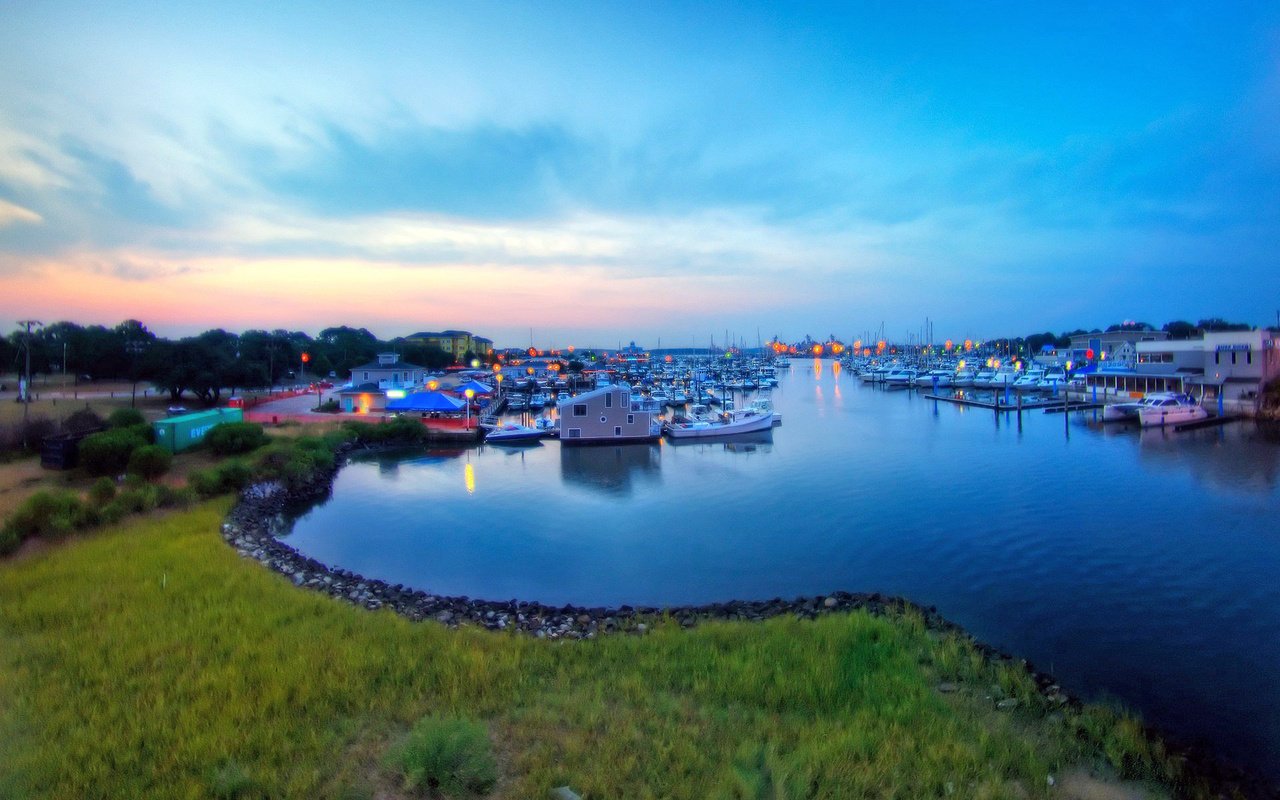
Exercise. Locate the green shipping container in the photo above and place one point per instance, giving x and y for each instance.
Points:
(176, 434)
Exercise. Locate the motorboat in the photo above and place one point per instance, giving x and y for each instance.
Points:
(511, 433)
(744, 420)
(1169, 408)
(902, 376)
(1121, 412)
(940, 378)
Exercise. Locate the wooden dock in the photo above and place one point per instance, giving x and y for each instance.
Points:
(1211, 422)
(1049, 406)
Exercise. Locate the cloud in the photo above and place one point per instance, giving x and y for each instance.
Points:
(12, 214)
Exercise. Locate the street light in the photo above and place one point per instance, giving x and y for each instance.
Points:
(470, 393)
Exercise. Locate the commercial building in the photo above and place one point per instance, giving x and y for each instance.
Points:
(456, 343)
(1227, 369)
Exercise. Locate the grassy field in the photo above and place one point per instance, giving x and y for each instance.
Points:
(150, 661)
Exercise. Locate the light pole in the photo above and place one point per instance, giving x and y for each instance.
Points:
(470, 393)
(26, 384)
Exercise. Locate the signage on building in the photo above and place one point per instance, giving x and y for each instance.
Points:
(1232, 348)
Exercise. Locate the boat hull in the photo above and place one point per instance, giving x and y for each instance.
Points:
(701, 430)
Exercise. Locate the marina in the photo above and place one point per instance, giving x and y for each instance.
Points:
(1157, 592)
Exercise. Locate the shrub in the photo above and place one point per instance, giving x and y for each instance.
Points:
(9, 541)
(232, 438)
(125, 418)
(35, 429)
(49, 513)
(150, 462)
(143, 431)
(229, 476)
(102, 492)
(447, 755)
(329, 406)
(83, 421)
(108, 453)
(132, 501)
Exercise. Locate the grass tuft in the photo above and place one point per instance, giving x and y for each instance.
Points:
(449, 755)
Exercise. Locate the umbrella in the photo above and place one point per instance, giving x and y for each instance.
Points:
(426, 401)
(475, 386)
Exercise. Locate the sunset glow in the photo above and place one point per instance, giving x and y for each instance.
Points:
(596, 173)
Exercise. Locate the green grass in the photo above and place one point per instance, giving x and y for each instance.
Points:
(151, 661)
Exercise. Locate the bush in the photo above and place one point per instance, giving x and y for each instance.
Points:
(125, 418)
(399, 429)
(49, 513)
(143, 431)
(108, 453)
(329, 406)
(150, 462)
(233, 438)
(9, 541)
(102, 492)
(447, 755)
(83, 421)
(36, 428)
(229, 476)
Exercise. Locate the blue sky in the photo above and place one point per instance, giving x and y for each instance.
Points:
(608, 171)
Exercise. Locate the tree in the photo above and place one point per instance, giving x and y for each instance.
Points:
(135, 340)
(1219, 324)
(1180, 329)
(344, 347)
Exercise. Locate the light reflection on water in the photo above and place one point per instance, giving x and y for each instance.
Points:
(1140, 565)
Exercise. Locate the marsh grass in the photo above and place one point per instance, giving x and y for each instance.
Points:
(144, 660)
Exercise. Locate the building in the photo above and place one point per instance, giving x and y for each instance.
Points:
(1227, 368)
(455, 343)
(371, 384)
(605, 415)
(1119, 347)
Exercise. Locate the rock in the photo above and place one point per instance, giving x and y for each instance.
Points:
(830, 602)
(445, 616)
(947, 687)
(1008, 704)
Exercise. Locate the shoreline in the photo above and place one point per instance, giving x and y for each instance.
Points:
(260, 514)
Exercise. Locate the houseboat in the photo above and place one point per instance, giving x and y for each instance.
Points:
(606, 416)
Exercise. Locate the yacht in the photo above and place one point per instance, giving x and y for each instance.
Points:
(1169, 408)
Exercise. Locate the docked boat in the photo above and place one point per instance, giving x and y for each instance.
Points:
(746, 420)
(1169, 408)
(511, 433)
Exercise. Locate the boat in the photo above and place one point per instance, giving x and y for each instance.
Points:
(1121, 412)
(1169, 408)
(763, 405)
(744, 420)
(511, 433)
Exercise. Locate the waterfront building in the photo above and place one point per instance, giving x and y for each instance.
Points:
(373, 383)
(605, 415)
(1227, 368)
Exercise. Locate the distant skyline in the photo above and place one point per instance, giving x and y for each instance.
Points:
(609, 172)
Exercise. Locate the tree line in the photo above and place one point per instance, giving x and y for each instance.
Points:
(206, 364)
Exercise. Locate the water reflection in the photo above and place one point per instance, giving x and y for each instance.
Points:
(760, 441)
(610, 469)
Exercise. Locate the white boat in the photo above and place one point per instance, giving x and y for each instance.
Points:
(511, 433)
(1121, 412)
(744, 420)
(763, 405)
(902, 376)
(934, 377)
(1029, 381)
(1169, 408)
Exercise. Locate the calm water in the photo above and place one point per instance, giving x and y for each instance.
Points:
(1138, 566)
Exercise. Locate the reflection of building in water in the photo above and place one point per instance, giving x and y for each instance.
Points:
(1233, 457)
(610, 469)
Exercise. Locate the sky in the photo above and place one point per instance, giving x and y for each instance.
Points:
(589, 173)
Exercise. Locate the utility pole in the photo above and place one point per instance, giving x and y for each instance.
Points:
(26, 386)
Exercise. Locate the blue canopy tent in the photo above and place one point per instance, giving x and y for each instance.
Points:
(475, 386)
(426, 401)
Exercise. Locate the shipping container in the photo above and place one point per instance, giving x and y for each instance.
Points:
(177, 434)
